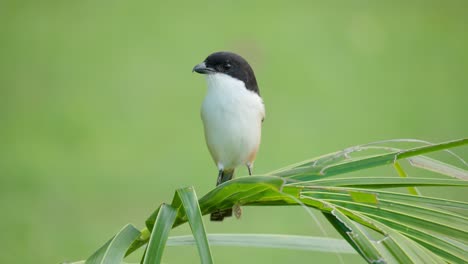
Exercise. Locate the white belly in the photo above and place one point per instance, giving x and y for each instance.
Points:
(232, 118)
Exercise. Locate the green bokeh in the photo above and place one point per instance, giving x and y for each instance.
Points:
(99, 111)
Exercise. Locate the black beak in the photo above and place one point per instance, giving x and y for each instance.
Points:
(201, 68)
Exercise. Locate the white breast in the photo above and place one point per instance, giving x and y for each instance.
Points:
(232, 118)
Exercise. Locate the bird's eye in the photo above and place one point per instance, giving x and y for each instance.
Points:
(227, 66)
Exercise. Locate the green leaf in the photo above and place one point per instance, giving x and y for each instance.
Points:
(242, 191)
(114, 250)
(406, 250)
(446, 223)
(392, 245)
(432, 221)
(159, 235)
(434, 229)
(321, 244)
(190, 202)
(363, 197)
(435, 243)
(312, 169)
(438, 167)
(355, 236)
(383, 226)
(383, 182)
(402, 173)
(324, 192)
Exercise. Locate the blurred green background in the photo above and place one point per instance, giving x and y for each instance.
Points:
(99, 110)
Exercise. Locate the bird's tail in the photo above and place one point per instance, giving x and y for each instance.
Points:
(219, 215)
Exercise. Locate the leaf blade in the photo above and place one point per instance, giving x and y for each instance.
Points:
(189, 200)
(321, 244)
(114, 250)
(384, 182)
(159, 234)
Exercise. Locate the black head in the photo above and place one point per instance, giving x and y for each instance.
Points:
(231, 64)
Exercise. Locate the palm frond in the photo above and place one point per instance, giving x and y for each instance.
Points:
(382, 225)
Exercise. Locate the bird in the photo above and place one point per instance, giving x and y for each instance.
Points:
(232, 113)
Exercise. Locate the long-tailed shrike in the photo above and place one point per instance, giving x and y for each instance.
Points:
(232, 114)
